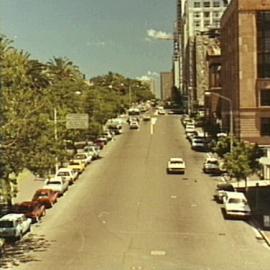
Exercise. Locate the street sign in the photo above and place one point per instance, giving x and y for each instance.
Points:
(77, 121)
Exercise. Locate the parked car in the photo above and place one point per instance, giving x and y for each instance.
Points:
(198, 144)
(190, 128)
(77, 165)
(14, 226)
(67, 174)
(134, 125)
(236, 205)
(47, 197)
(211, 165)
(84, 157)
(100, 143)
(176, 165)
(57, 184)
(92, 151)
(31, 209)
(221, 191)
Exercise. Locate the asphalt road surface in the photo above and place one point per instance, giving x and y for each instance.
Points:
(126, 213)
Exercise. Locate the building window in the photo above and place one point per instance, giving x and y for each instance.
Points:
(265, 126)
(216, 4)
(206, 23)
(197, 15)
(216, 23)
(216, 14)
(197, 23)
(206, 14)
(197, 4)
(263, 44)
(265, 97)
(206, 4)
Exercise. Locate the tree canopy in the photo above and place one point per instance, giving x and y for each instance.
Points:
(32, 94)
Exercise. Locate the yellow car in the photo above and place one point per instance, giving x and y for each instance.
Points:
(77, 165)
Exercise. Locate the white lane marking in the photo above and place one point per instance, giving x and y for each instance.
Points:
(158, 252)
(173, 196)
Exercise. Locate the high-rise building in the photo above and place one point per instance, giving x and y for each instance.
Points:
(245, 72)
(198, 17)
(166, 85)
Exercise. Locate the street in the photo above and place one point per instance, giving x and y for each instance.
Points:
(126, 213)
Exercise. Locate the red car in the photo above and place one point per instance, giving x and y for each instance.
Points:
(31, 209)
(47, 197)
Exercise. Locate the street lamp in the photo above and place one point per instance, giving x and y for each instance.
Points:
(208, 93)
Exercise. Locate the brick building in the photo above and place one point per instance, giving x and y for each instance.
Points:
(245, 73)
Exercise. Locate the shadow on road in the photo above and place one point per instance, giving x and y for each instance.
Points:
(23, 251)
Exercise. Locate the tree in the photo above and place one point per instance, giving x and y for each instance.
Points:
(238, 162)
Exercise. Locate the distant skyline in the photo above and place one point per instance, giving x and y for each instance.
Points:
(98, 36)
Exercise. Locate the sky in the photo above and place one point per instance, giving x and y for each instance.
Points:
(97, 35)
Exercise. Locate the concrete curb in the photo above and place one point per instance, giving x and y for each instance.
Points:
(266, 239)
(261, 232)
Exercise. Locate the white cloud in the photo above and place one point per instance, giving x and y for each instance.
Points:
(150, 75)
(152, 33)
(144, 78)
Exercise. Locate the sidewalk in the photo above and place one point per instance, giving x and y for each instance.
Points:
(27, 185)
(259, 201)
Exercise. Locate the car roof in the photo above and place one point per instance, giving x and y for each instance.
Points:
(176, 159)
(11, 216)
(233, 194)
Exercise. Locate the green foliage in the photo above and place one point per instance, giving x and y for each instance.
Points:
(222, 146)
(243, 160)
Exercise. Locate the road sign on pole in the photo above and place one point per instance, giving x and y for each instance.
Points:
(77, 121)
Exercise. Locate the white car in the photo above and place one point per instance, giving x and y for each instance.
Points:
(14, 226)
(198, 143)
(92, 151)
(85, 157)
(236, 205)
(57, 184)
(211, 165)
(67, 174)
(134, 125)
(176, 165)
(190, 128)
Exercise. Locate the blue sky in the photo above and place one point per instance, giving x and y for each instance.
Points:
(97, 35)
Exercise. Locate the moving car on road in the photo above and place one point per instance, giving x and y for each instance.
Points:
(176, 165)
(134, 125)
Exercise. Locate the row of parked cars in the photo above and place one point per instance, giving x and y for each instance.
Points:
(18, 217)
(235, 203)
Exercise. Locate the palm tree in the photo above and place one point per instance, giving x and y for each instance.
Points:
(63, 69)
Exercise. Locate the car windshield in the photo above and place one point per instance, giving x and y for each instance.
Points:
(42, 195)
(176, 162)
(74, 163)
(6, 224)
(54, 183)
(213, 162)
(63, 174)
(237, 201)
(80, 156)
